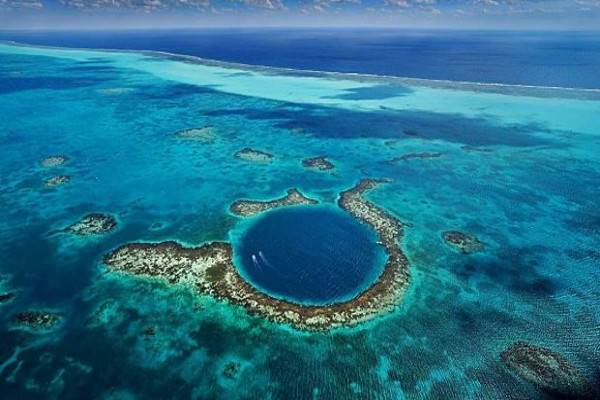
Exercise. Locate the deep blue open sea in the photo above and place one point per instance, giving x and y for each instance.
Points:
(517, 167)
(566, 59)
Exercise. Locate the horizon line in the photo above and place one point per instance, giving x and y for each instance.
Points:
(293, 27)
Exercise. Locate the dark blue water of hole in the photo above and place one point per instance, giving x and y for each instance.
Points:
(310, 255)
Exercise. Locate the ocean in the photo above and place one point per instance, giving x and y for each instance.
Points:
(165, 145)
(565, 59)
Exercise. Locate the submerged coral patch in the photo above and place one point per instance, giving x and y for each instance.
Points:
(6, 297)
(378, 92)
(93, 224)
(37, 320)
(388, 123)
(115, 91)
(10, 84)
(149, 332)
(464, 242)
(548, 370)
(210, 269)
(476, 148)
(204, 134)
(5, 294)
(408, 156)
(105, 312)
(57, 180)
(252, 155)
(231, 369)
(318, 163)
(248, 208)
(54, 161)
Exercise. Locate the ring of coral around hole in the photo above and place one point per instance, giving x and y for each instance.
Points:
(310, 255)
(210, 268)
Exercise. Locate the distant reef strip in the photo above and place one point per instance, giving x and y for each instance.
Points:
(210, 269)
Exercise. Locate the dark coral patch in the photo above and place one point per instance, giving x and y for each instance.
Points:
(476, 148)
(58, 180)
(204, 134)
(408, 156)
(93, 224)
(231, 370)
(395, 124)
(15, 85)
(548, 370)
(463, 242)
(378, 92)
(170, 91)
(248, 154)
(6, 297)
(37, 320)
(150, 332)
(319, 163)
(53, 161)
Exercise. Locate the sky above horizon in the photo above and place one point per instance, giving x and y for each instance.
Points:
(468, 14)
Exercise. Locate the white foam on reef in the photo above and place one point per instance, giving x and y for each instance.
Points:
(568, 109)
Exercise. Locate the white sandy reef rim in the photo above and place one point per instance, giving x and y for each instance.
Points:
(328, 89)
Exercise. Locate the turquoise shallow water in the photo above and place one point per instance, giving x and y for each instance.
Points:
(517, 167)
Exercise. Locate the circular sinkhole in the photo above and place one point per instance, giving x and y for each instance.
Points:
(309, 255)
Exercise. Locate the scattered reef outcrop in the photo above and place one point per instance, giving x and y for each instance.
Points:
(115, 91)
(149, 332)
(247, 208)
(464, 242)
(6, 297)
(408, 156)
(93, 224)
(57, 180)
(231, 370)
(210, 270)
(318, 163)
(54, 161)
(252, 155)
(37, 320)
(104, 313)
(476, 148)
(205, 134)
(548, 370)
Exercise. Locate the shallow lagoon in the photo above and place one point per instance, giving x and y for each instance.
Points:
(519, 168)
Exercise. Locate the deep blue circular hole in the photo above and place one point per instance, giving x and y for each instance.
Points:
(310, 255)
